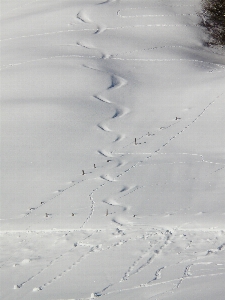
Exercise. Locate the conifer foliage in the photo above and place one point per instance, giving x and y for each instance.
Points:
(213, 19)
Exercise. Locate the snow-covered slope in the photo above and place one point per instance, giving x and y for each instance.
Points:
(113, 151)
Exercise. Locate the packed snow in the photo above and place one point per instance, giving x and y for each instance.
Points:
(113, 152)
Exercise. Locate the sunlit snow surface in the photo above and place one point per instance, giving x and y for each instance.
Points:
(113, 152)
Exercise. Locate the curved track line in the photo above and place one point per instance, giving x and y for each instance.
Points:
(152, 16)
(85, 19)
(159, 60)
(120, 111)
(45, 33)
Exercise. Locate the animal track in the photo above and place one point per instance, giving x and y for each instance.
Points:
(153, 16)
(52, 262)
(93, 249)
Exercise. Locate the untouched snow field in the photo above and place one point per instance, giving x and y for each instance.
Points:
(113, 152)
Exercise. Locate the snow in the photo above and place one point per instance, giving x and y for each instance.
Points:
(113, 160)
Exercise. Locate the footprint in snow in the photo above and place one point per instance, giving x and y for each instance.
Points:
(23, 262)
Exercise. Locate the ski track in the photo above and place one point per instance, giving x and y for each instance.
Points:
(113, 201)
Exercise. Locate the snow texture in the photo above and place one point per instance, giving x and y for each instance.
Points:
(113, 152)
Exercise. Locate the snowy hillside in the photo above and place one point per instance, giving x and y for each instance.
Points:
(113, 152)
